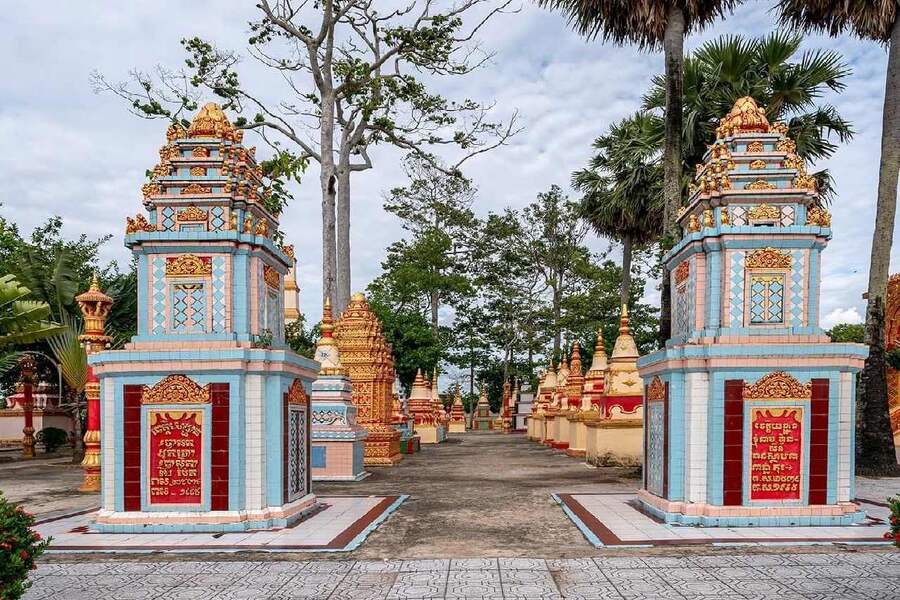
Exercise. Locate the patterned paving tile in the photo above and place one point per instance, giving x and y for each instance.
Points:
(425, 565)
(473, 591)
(631, 588)
(477, 577)
(733, 573)
(306, 591)
(473, 564)
(589, 591)
(532, 564)
(557, 564)
(620, 562)
(377, 566)
(704, 588)
(679, 575)
(615, 574)
(523, 576)
(592, 575)
(530, 590)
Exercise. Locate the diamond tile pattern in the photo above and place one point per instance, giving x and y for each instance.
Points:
(217, 218)
(218, 294)
(737, 289)
(168, 218)
(159, 295)
(734, 575)
(798, 275)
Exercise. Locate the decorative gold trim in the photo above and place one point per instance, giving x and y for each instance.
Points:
(198, 171)
(192, 213)
(262, 227)
(175, 389)
(188, 265)
(139, 223)
(289, 251)
(271, 276)
(723, 216)
(760, 184)
(196, 188)
(656, 390)
(150, 189)
(758, 164)
(787, 145)
(693, 224)
(296, 394)
(682, 271)
(777, 385)
(768, 258)
(818, 216)
(708, 218)
(200, 152)
(764, 212)
(756, 147)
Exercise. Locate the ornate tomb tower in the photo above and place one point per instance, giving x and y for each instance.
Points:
(750, 408)
(205, 414)
(368, 358)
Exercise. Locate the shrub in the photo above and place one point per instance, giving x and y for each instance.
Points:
(19, 547)
(893, 533)
(52, 438)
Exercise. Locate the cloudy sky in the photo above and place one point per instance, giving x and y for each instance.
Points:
(65, 150)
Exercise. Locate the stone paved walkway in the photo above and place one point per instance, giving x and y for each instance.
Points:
(813, 576)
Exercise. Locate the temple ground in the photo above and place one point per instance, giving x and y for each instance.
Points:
(482, 495)
(476, 495)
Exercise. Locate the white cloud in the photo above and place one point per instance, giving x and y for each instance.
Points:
(841, 315)
(67, 151)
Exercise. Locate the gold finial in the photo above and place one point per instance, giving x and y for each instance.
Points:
(327, 326)
(599, 346)
(723, 216)
(95, 284)
(358, 296)
(708, 218)
(623, 321)
(745, 117)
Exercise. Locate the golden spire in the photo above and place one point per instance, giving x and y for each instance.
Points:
(327, 353)
(745, 117)
(598, 364)
(575, 359)
(623, 321)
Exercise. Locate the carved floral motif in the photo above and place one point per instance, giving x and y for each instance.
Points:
(296, 394)
(758, 164)
(777, 385)
(188, 265)
(198, 171)
(765, 212)
(818, 216)
(139, 223)
(175, 389)
(768, 258)
(760, 184)
(682, 271)
(192, 213)
(756, 147)
(744, 117)
(271, 276)
(196, 188)
(656, 390)
(200, 152)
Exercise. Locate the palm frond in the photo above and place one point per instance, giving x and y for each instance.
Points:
(69, 353)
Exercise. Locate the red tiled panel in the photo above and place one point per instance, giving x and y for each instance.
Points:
(818, 443)
(219, 393)
(131, 447)
(733, 452)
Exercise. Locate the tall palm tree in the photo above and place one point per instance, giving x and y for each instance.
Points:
(790, 87)
(875, 20)
(651, 24)
(622, 187)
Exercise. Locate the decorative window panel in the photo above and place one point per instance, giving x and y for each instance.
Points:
(766, 299)
(787, 216)
(188, 308)
(296, 459)
(655, 447)
(192, 227)
(682, 311)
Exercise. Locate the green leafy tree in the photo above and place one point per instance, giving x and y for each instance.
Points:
(847, 332)
(22, 319)
(652, 24)
(622, 189)
(771, 69)
(355, 76)
(415, 345)
(877, 21)
(553, 232)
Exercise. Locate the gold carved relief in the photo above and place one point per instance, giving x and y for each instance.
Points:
(656, 390)
(768, 258)
(188, 265)
(756, 147)
(192, 213)
(777, 385)
(198, 171)
(196, 188)
(758, 164)
(175, 389)
(765, 212)
(760, 184)
(296, 394)
(271, 276)
(682, 271)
